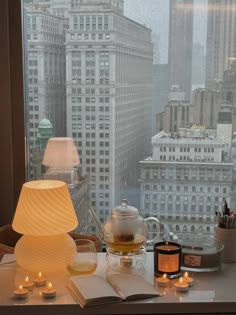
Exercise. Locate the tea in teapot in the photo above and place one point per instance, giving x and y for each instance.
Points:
(125, 230)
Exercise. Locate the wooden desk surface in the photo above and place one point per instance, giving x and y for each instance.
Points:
(213, 292)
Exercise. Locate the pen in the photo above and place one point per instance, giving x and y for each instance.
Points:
(192, 247)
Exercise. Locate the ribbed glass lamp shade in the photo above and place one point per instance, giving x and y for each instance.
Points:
(44, 208)
(45, 213)
(45, 253)
(61, 153)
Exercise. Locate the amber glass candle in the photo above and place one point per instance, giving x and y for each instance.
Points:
(167, 256)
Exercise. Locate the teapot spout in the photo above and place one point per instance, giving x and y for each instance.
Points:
(96, 222)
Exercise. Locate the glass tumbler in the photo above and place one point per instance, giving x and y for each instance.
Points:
(85, 261)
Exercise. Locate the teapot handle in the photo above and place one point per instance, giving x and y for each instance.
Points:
(149, 241)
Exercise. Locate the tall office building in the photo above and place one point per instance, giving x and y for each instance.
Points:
(45, 67)
(180, 44)
(198, 65)
(109, 98)
(177, 114)
(159, 92)
(206, 106)
(228, 91)
(221, 38)
(228, 85)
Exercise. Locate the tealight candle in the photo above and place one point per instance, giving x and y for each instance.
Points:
(49, 292)
(40, 281)
(163, 281)
(126, 262)
(21, 293)
(27, 284)
(189, 280)
(181, 285)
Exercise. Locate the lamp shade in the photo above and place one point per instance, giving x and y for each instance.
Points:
(61, 153)
(44, 208)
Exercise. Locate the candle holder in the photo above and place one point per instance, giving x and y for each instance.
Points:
(162, 281)
(27, 284)
(40, 281)
(167, 258)
(126, 262)
(49, 292)
(21, 293)
(181, 285)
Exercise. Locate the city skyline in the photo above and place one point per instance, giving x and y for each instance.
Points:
(99, 66)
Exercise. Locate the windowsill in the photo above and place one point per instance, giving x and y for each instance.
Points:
(213, 292)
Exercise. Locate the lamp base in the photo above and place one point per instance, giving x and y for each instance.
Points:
(50, 253)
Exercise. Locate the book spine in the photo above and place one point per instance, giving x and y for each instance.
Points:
(116, 288)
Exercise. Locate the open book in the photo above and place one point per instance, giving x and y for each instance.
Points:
(89, 290)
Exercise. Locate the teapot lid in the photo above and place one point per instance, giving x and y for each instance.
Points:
(124, 209)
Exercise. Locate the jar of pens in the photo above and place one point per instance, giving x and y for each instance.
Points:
(225, 232)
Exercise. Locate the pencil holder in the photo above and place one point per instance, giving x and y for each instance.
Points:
(228, 238)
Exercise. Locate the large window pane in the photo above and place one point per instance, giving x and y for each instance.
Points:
(146, 90)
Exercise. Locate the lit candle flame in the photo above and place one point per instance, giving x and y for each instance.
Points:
(164, 276)
(186, 275)
(49, 285)
(40, 275)
(181, 280)
(26, 279)
(20, 287)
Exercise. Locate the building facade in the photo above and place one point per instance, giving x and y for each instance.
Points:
(228, 91)
(160, 86)
(206, 105)
(109, 98)
(186, 181)
(45, 66)
(177, 115)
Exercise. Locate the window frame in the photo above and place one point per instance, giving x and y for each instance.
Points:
(12, 158)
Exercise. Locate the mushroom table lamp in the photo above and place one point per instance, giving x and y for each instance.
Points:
(61, 157)
(45, 214)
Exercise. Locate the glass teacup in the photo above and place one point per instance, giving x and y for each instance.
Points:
(85, 261)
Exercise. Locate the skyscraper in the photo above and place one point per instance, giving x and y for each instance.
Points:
(180, 44)
(205, 107)
(159, 92)
(45, 73)
(109, 98)
(221, 38)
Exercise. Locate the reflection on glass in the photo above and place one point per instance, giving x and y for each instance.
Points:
(147, 91)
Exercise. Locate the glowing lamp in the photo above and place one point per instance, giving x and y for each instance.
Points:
(45, 214)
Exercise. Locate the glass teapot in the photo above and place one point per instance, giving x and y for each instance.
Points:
(125, 230)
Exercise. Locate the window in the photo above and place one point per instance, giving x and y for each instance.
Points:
(98, 71)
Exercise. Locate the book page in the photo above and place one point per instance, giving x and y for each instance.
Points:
(92, 287)
(132, 286)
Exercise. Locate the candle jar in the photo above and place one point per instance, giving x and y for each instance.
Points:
(200, 252)
(167, 256)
